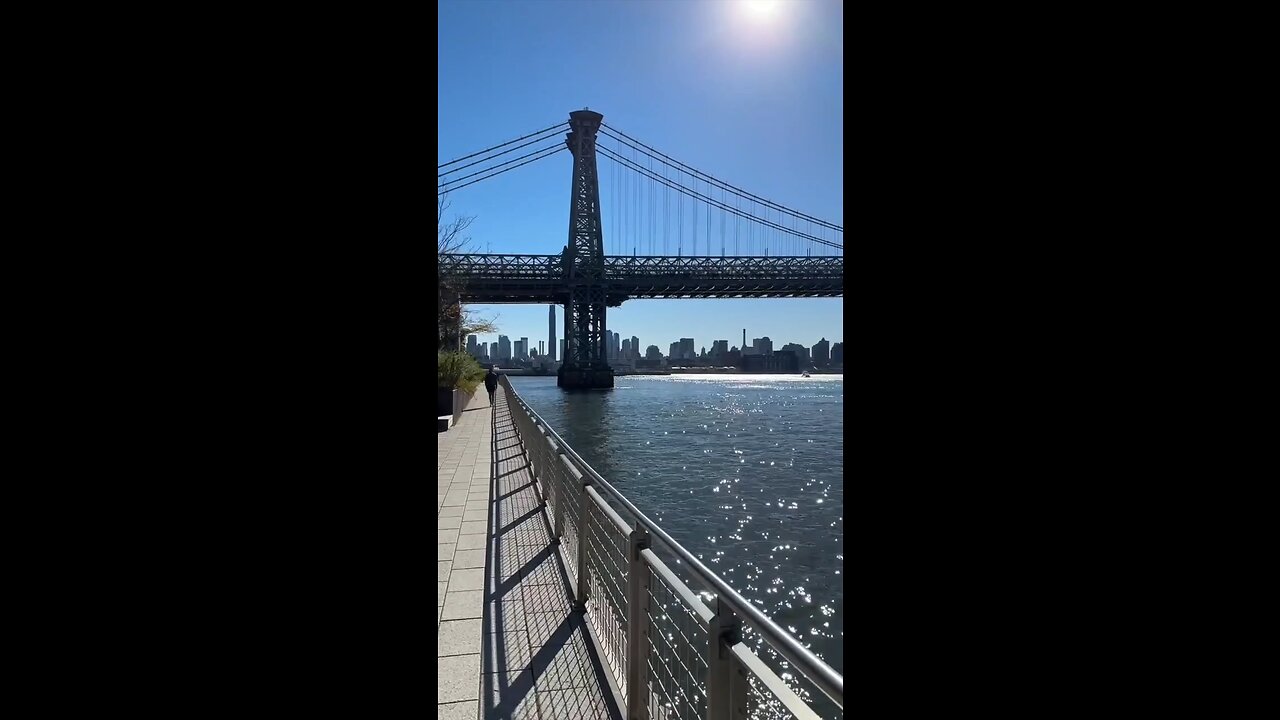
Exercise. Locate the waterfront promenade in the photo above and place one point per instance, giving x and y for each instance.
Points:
(509, 644)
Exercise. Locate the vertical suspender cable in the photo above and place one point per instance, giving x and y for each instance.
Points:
(694, 247)
(666, 210)
(680, 219)
(723, 217)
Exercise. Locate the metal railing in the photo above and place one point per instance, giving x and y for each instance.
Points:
(674, 657)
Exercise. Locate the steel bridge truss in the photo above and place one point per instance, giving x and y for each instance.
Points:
(546, 278)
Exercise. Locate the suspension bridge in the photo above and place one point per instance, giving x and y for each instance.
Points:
(729, 243)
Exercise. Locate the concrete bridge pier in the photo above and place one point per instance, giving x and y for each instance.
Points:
(585, 378)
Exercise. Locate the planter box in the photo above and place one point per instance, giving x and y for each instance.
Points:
(444, 401)
(461, 401)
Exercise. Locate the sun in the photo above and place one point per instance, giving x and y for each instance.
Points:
(760, 9)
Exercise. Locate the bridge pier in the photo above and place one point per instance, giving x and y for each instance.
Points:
(585, 378)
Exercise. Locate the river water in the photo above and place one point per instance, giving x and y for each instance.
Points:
(745, 471)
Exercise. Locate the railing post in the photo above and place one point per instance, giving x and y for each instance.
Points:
(721, 634)
(548, 492)
(539, 475)
(584, 502)
(739, 689)
(560, 492)
(637, 637)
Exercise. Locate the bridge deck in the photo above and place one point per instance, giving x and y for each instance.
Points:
(542, 278)
(509, 643)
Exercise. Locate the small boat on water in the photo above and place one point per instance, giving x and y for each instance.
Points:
(804, 374)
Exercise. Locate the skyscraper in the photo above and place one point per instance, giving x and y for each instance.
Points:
(524, 348)
(626, 348)
(802, 352)
(822, 353)
(764, 346)
(504, 348)
(472, 350)
(616, 346)
(837, 353)
(635, 347)
(551, 331)
(686, 348)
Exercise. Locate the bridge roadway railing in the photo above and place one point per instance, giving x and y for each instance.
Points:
(626, 268)
(672, 655)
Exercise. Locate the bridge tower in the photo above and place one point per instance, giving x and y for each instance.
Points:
(584, 364)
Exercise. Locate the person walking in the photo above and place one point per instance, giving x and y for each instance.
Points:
(490, 384)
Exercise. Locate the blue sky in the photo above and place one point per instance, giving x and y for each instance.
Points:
(754, 99)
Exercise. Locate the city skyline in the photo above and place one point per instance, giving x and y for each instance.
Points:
(733, 338)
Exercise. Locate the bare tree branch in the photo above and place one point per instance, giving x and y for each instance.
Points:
(449, 235)
(455, 322)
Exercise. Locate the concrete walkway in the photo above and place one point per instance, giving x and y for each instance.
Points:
(513, 647)
(463, 462)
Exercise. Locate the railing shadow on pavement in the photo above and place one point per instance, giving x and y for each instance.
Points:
(538, 660)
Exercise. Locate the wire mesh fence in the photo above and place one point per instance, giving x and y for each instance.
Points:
(676, 655)
(607, 594)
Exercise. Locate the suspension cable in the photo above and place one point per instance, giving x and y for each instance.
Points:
(492, 157)
(495, 167)
(686, 191)
(495, 147)
(660, 157)
(513, 167)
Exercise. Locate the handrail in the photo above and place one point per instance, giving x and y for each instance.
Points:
(821, 674)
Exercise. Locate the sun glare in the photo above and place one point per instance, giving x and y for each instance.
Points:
(760, 9)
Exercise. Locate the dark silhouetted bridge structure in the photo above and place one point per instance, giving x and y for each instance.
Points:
(586, 281)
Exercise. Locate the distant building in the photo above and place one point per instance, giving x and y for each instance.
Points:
(719, 349)
(687, 350)
(674, 353)
(504, 349)
(837, 354)
(472, 348)
(783, 361)
(626, 348)
(551, 331)
(801, 352)
(635, 346)
(617, 347)
(563, 358)
(652, 353)
(764, 346)
(522, 349)
(822, 353)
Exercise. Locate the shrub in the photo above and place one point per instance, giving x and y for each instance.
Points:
(459, 370)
